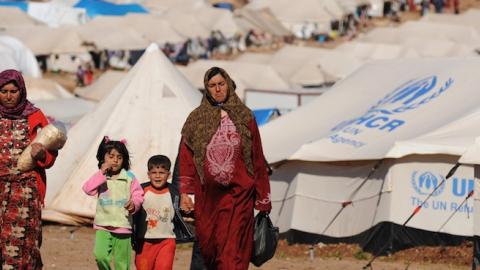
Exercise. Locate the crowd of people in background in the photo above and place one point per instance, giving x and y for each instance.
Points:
(392, 8)
(217, 44)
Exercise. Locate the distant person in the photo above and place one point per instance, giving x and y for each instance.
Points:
(438, 5)
(425, 7)
(80, 75)
(119, 197)
(158, 224)
(88, 75)
(456, 6)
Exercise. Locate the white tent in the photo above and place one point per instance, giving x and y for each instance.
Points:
(16, 55)
(261, 19)
(307, 65)
(102, 86)
(12, 16)
(306, 13)
(423, 45)
(46, 40)
(44, 89)
(66, 110)
(112, 33)
(131, 31)
(147, 108)
(458, 33)
(326, 149)
(55, 13)
(376, 51)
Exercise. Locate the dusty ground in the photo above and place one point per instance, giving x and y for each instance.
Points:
(71, 248)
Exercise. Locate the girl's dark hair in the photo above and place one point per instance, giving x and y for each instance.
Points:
(106, 146)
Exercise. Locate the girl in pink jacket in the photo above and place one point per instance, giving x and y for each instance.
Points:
(119, 197)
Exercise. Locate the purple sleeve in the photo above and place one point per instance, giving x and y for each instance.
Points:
(91, 186)
(136, 194)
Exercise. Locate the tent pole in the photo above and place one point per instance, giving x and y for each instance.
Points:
(349, 200)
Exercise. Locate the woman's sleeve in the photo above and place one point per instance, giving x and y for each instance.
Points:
(262, 182)
(91, 186)
(187, 173)
(136, 194)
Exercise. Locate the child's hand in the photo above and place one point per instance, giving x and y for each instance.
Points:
(106, 168)
(130, 206)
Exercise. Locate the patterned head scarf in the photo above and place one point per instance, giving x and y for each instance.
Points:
(203, 122)
(24, 108)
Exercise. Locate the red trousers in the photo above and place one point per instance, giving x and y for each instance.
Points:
(156, 255)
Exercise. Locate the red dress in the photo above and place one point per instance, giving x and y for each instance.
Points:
(224, 204)
(21, 195)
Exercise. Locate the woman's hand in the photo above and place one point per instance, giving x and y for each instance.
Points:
(186, 203)
(130, 206)
(38, 152)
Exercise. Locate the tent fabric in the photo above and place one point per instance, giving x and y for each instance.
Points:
(429, 85)
(15, 55)
(102, 86)
(15, 4)
(65, 110)
(99, 7)
(262, 20)
(263, 116)
(43, 40)
(55, 14)
(138, 28)
(147, 108)
(424, 45)
(45, 89)
(306, 65)
(10, 16)
(454, 138)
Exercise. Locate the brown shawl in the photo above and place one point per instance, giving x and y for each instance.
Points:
(203, 122)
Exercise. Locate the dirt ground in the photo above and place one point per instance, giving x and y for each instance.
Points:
(67, 247)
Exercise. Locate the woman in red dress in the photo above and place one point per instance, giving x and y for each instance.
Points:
(21, 193)
(221, 162)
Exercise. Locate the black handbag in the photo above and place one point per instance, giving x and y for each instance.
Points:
(265, 239)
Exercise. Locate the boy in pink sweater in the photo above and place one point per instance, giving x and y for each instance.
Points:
(119, 197)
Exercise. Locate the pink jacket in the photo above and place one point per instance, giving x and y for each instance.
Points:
(136, 194)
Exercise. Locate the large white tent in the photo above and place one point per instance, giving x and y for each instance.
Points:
(328, 162)
(147, 108)
(15, 55)
(102, 86)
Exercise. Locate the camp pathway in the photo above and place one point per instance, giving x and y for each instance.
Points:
(71, 248)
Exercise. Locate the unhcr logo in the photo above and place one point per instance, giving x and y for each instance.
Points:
(425, 183)
(383, 115)
(411, 95)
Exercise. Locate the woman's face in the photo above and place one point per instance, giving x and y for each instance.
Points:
(218, 88)
(9, 95)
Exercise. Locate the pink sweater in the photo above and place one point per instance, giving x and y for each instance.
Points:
(136, 194)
